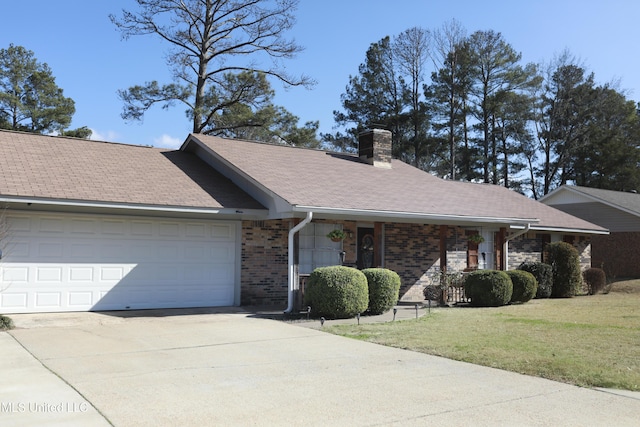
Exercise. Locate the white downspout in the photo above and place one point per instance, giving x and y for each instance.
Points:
(292, 276)
(506, 244)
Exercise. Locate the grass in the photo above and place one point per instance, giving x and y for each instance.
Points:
(591, 341)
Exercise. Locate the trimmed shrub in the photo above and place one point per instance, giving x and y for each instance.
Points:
(488, 288)
(432, 292)
(543, 274)
(565, 267)
(337, 292)
(596, 280)
(525, 285)
(384, 289)
(5, 323)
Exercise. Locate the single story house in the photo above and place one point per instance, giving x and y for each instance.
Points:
(103, 226)
(618, 253)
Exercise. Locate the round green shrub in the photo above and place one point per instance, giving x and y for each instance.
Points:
(565, 267)
(525, 285)
(5, 323)
(543, 274)
(596, 280)
(337, 292)
(384, 289)
(488, 288)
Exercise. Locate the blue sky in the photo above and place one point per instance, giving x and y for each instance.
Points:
(91, 62)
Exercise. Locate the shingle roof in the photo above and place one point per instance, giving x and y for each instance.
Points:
(315, 178)
(625, 200)
(56, 168)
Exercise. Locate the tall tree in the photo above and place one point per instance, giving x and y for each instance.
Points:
(450, 92)
(411, 49)
(609, 154)
(376, 97)
(512, 131)
(30, 100)
(496, 72)
(211, 40)
(563, 113)
(253, 115)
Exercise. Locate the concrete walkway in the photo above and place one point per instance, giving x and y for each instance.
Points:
(230, 367)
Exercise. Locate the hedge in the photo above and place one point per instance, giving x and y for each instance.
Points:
(488, 288)
(337, 292)
(384, 289)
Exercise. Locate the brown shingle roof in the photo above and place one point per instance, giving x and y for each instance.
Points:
(46, 167)
(320, 179)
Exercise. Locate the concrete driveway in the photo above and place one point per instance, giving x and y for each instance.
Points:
(227, 367)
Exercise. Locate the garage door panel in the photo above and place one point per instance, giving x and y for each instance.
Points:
(48, 299)
(72, 263)
(14, 300)
(51, 225)
(80, 300)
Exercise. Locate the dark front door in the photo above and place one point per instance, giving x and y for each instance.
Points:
(366, 253)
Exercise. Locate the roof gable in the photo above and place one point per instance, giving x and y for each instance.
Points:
(570, 194)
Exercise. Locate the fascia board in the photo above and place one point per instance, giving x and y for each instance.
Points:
(131, 207)
(587, 196)
(414, 216)
(568, 230)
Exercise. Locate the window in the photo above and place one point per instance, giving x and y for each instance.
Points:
(316, 249)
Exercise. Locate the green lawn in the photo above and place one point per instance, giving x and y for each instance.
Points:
(587, 340)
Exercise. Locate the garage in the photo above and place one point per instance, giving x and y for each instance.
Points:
(55, 262)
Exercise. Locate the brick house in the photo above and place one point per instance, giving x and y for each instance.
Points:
(104, 226)
(617, 211)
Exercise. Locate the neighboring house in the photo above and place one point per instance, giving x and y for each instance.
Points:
(105, 226)
(619, 252)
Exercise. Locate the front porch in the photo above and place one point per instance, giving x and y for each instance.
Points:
(418, 253)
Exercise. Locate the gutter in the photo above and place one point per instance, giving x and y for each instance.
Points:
(292, 275)
(414, 216)
(506, 243)
(129, 207)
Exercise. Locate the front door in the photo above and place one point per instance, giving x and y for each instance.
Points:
(366, 254)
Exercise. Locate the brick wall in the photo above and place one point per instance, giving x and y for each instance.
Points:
(616, 254)
(264, 262)
(412, 251)
(524, 249)
(583, 245)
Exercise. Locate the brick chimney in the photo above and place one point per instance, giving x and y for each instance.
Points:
(374, 147)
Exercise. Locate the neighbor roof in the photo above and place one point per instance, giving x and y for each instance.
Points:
(36, 167)
(320, 181)
(627, 201)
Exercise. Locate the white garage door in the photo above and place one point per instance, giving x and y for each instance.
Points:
(58, 262)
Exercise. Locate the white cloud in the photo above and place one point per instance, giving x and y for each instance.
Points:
(108, 136)
(167, 141)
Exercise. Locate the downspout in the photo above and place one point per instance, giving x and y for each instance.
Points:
(506, 244)
(292, 276)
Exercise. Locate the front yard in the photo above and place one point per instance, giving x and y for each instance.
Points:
(589, 341)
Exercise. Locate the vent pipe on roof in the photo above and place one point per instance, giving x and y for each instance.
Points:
(374, 147)
(292, 275)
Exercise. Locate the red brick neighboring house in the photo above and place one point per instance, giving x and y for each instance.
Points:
(617, 253)
(104, 226)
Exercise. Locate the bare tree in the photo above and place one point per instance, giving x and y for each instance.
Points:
(206, 37)
(447, 55)
(412, 50)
